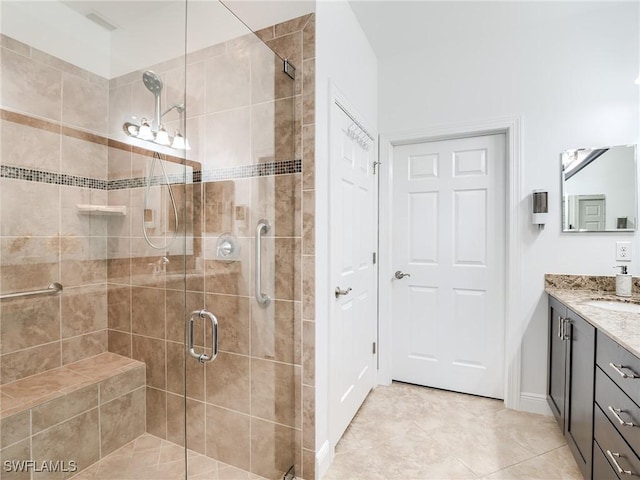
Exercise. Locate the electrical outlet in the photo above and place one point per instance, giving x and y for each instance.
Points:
(623, 251)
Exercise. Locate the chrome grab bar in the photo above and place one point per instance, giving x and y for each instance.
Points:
(52, 289)
(203, 357)
(263, 227)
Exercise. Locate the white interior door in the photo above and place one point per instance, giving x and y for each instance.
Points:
(449, 236)
(591, 212)
(353, 220)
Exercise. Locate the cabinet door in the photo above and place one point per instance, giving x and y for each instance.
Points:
(581, 373)
(557, 361)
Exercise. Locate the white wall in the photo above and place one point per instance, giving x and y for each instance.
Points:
(568, 70)
(344, 58)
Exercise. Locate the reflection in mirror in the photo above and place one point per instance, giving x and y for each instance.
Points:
(599, 190)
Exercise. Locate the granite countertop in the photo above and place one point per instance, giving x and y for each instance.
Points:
(622, 327)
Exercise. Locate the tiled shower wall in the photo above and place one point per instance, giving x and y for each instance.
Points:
(240, 111)
(295, 40)
(260, 391)
(53, 157)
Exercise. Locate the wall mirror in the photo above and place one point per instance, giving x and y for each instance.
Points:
(599, 189)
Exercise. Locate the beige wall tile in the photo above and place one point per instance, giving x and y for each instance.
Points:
(85, 104)
(308, 287)
(122, 383)
(278, 199)
(17, 452)
(290, 47)
(30, 87)
(156, 412)
(308, 417)
(83, 310)
(308, 353)
(232, 313)
(119, 307)
(15, 428)
(308, 464)
(28, 263)
(26, 146)
(29, 322)
(119, 343)
(233, 447)
(309, 38)
(308, 157)
(275, 331)
(272, 448)
(15, 45)
(152, 352)
(63, 408)
(29, 208)
(84, 346)
(196, 425)
(64, 442)
(272, 391)
(228, 382)
(119, 109)
(227, 81)
(175, 418)
(269, 82)
(24, 363)
(226, 142)
(148, 311)
(84, 158)
(308, 222)
(122, 420)
(178, 312)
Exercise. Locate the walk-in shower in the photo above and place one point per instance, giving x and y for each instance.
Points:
(160, 354)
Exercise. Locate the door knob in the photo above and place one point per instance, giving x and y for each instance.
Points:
(342, 292)
(399, 275)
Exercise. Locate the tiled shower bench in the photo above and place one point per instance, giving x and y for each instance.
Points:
(77, 413)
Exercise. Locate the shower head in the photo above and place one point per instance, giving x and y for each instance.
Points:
(153, 82)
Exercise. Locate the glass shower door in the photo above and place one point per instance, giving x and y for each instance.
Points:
(240, 123)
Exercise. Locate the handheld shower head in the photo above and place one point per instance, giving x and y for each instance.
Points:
(153, 82)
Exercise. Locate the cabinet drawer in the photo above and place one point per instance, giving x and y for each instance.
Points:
(601, 468)
(610, 441)
(609, 396)
(609, 352)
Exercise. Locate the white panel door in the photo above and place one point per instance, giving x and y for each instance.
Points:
(449, 237)
(353, 322)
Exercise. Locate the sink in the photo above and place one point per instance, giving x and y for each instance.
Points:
(614, 305)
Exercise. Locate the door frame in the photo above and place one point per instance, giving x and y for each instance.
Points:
(514, 325)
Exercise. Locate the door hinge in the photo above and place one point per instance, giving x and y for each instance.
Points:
(375, 164)
(374, 258)
(374, 347)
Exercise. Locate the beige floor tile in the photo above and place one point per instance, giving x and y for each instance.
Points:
(409, 432)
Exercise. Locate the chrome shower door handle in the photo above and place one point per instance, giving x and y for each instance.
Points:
(203, 357)
(262, 298)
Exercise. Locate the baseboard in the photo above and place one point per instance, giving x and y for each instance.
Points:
(534, 403)
(324, 457)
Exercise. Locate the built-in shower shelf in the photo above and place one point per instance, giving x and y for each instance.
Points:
(102, 209)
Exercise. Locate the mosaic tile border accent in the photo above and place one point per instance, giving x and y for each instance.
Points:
(285, 167)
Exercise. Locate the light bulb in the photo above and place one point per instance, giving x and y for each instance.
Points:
(178, 141)
(162, 137)
(145, 132)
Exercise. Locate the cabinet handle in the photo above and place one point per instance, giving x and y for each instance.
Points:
(565, 328)
(613, 457)
(618, 368)
(560, 320)
(616, 413)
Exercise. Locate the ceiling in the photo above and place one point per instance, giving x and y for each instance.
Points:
(396, 26)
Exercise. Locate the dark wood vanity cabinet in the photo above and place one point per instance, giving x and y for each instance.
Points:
(570, 390)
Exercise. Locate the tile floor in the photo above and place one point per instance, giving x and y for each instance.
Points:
(151, 458)
(415, 433)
